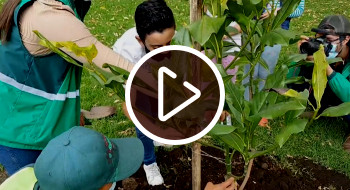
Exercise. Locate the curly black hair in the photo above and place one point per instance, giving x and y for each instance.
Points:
(153, 16)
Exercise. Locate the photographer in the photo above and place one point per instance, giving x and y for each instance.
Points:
(334, 33)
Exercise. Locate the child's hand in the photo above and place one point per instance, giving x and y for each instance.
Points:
(223, 115)
(229, 184)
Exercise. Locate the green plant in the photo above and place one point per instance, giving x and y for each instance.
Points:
(275, 100)
(114, 79)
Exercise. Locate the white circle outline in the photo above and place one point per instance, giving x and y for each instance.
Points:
(221, 90)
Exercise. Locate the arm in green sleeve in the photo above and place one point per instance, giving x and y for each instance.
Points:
(340, 86)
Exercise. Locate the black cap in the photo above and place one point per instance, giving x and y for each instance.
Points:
(334, 24)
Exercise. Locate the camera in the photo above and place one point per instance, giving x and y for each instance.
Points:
(313, 45)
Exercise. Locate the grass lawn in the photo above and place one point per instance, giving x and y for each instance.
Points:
(322, 142)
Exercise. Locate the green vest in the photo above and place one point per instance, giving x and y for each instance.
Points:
(24, 179)
(39, 95)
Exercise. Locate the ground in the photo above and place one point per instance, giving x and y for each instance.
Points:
(294, 163)
(267, 173)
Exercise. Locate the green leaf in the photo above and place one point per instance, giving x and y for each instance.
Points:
(294, 59)
(334, 60)
(53, 47)
(182, 37)
(278, 36)
(236, 10)
(237, 116)
(219, 129)
(89, 52)
(337, 111)
(296, 80)
(288, 8)
(116, 70)
(255, 1)
(234, 96)
(279, 109)
(319, 77)
(240, 62)
(234, 140)
(276, 79)
(221, 69)
(292, 93)
(294, 127)
(204, 28)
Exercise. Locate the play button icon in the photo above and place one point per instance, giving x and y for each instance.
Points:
(175, 95)
(161, 115)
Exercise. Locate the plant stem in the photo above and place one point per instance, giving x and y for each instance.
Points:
(218, 4)
(247, 175)
(228, 161)
(244, 46)
(265, 151)
(210, 145)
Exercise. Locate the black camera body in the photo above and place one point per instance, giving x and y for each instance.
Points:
(313, 45)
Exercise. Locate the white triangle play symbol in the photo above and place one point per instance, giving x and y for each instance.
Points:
(161, 116)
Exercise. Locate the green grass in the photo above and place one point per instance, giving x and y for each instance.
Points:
(321, 142)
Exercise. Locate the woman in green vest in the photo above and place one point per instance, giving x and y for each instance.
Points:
(39, 91)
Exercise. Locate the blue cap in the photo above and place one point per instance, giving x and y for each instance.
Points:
(82, 158)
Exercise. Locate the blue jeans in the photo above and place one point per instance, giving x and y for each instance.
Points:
(14, 159)
(149, 156)
(285, 25)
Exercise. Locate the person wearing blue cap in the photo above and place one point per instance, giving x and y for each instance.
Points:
(80, 158)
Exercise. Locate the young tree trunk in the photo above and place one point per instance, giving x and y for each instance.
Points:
(196, 14)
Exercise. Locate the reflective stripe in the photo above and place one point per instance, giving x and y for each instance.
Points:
(34, 91)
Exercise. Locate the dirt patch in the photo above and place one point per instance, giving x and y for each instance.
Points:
(267, 174)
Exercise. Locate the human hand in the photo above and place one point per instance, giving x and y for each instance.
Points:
(229, 184)
(329, 70)
(302, 40)
(268, 13)
(223, 115)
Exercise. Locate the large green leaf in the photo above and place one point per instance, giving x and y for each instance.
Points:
(53, 47)
(279, 109)
(276, 79)
(288, 8)
(237, 116)
(213, 7)
(319, 77)
(278, 36)
(294, 127)
(293, 59)
(236, 10)
(114, 79)
(336, 111)
(89, 52)
(234, 96)
(182, 37)
(219, 129)
(234, 140)
(204, 28)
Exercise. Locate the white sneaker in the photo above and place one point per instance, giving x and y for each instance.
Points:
(156, 143)
(153, 174)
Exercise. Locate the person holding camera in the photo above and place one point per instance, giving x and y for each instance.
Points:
(334, 33)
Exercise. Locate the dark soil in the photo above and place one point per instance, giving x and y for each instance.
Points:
(267, 174)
